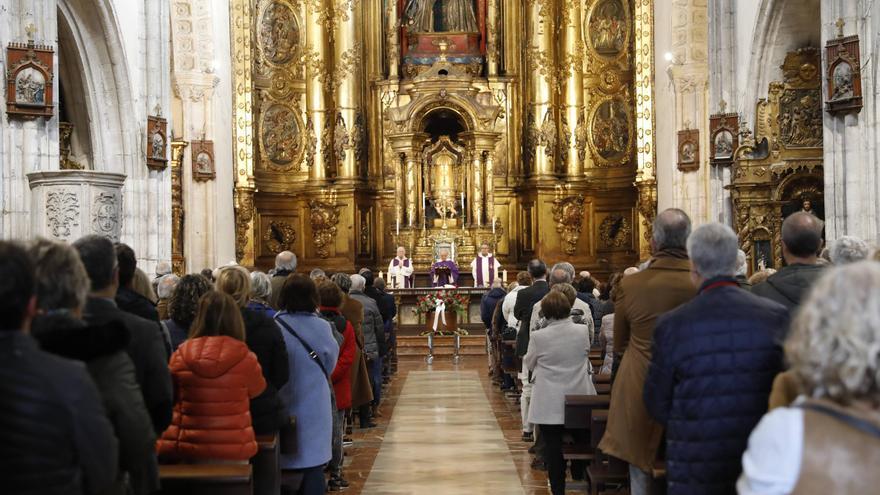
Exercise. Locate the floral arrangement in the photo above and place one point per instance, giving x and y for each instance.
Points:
(451, 300)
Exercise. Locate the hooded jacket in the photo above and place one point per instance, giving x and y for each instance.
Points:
(214, 379)
(789, 286)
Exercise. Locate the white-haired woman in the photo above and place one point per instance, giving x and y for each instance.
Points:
(828, 440)
(261, 291)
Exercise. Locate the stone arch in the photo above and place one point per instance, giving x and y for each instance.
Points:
(423, 109)
(781, 27)
(104, 82)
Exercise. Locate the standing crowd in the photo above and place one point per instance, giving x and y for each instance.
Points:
(106, 375)
(719, 383)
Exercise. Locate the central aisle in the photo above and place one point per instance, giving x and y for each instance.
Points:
(443, 439)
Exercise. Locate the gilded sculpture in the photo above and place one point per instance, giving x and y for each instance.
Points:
(323, 218)
(278, 236)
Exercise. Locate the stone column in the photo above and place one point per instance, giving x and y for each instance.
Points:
(317, 83)
(68, 204)
(572, 62)
(540, 138)
(349, 134)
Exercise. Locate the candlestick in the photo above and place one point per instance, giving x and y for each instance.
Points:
(398, 226)
(504, 276)
(493, 226)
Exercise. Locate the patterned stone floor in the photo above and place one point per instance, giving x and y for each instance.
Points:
(444, 441)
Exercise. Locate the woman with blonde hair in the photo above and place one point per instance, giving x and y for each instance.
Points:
(828, 440)
(265, 340)
(215, 377)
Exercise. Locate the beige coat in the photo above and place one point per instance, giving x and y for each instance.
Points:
(361, 389)
(631, 434)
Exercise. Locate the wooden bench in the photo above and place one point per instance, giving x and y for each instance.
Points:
(206, 479)
(578, 409)
(267, 466)
(604, 378)
(604, 470)
(603, 388)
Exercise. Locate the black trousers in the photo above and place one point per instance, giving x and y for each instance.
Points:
(552, 435)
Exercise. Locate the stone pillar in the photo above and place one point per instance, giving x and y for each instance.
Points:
(68, 204)
(349, 134)
(540, 136)
(572, 62)
(317, 83)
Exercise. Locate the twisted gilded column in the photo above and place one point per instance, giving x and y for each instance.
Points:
(317, 56)
(540, 135)
(571, 67)
(477, 188)
(349, 136)
(492, 52)
(400, 201)
(178, 262)
(392, 39)
(413, 201)
(489, 159)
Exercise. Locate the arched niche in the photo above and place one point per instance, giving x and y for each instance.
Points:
(443, 122)
(96, 91)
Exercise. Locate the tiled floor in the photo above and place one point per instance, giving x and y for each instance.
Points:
(440, 438)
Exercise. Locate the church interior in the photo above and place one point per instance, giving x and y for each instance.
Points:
(448, 144)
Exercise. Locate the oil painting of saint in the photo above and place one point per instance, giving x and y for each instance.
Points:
(688, 153)
(203, 163)
(843, 81)
(724, 144)
(607, 28)
(610, 130)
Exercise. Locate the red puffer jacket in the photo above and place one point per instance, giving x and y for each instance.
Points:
(214, 380)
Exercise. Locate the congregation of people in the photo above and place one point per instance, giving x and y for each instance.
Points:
(106, 376)
(714, 382)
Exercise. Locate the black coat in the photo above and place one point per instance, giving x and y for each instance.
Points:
(522, 311)
(713, 363)
(264, 339)
(384, 301)
(136, 304)
(148, 353)
(488, 303)
(57, 439)
(790, 285)
(103, 350)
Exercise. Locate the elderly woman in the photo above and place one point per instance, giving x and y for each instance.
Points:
(848, 249)
(183, 305)
(828, 441)
(264, 338)
(261, 291)
(62, 286)
(558, 357)
(313, 354)
(165, 286)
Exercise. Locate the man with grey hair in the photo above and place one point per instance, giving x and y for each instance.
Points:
(801, 244)
(374, 337)
(285, 264)
(664, 284)
(317, 273)
(164, 289)
(712, 368)
(522, 311)
(849, 249)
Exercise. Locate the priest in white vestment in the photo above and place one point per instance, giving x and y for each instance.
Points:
(400, 269)
(484, 267)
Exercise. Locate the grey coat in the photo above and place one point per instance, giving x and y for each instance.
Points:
(559, 358)
(372, 323)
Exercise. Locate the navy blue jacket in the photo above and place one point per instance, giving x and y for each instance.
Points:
(488, 303)
(713, 363)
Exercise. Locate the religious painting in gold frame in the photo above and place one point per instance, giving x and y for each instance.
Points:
(607, 25)
(610, 132)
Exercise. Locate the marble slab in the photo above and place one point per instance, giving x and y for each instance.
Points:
(443, 438)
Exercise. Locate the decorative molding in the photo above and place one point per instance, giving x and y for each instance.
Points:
(568, 213)
(105, 215)
(178, 262)
(278, 236)
(62, 213)
(615, 231)
(243, 198)
(323, 217)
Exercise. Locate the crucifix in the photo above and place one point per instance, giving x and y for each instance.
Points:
(840, 23)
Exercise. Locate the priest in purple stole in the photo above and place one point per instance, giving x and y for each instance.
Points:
(444, 271)
(484, 267)
(400, 270)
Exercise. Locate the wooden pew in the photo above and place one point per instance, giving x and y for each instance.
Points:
(267, 466)
(578, 409)
(206, 479)
(604, 470)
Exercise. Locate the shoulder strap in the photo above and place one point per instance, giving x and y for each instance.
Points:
(857, 423)
(308, 348)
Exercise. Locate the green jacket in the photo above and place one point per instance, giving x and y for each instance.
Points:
(790, 285)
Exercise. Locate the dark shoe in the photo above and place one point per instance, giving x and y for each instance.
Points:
(337, 484)
(369, 424)
(538, 465)
(532, 449)
(528, 436)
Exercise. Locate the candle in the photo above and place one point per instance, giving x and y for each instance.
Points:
(389, 280)
(493, 226)
(462, 205)
(424, 203)
(504, 276)
(380, 274)
(398, 226)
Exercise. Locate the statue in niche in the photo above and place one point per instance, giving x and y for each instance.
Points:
(456, 16)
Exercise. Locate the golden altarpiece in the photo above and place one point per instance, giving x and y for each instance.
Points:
(778, 167)
(362, 125)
